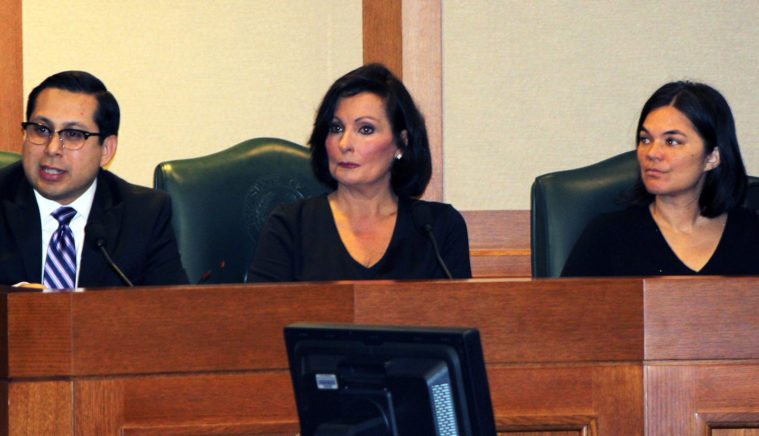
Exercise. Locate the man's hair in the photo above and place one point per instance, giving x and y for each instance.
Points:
(107, 114)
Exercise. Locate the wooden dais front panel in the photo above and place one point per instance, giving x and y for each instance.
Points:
(702, 355)
(564, 356)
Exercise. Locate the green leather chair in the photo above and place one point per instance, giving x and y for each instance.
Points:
(8, 157)
(564, 202)
(222, 200)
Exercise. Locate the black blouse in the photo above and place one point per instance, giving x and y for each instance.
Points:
(300, 242)
(629, 243)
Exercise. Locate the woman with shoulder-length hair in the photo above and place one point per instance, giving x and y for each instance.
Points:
(369, 145)
(686, 216)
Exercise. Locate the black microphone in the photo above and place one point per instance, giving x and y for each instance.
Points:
(422, 217)
(209, 273)
(96, 234)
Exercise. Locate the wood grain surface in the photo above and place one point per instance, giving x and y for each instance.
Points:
(657, 356)
(11, 71)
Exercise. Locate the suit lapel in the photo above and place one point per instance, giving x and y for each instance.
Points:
(24, 218)
(108, 216)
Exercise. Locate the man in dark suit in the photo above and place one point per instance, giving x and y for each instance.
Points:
(61, 212)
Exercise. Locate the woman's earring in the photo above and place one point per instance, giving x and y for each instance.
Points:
(398, 156)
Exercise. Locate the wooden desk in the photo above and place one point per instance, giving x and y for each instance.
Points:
(572, 356)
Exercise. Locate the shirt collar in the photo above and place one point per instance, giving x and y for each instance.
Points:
(83, 204)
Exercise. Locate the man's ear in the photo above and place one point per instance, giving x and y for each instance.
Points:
(108, 149)
(712, 160)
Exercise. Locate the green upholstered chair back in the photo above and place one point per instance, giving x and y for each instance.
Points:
(8, 157)
(564, 202)
(222, 200)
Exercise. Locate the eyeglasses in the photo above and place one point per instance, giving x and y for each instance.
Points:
(70, 139)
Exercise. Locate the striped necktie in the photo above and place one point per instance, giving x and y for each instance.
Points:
(60, 265)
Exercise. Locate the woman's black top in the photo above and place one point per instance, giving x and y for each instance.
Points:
(300, 242)
(629, 243)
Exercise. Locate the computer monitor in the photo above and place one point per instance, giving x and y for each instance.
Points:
(378, 380)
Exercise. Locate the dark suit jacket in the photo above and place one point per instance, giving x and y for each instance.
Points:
(133, 221)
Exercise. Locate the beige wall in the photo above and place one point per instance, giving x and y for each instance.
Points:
(530, 86)
(196, 76)
(537, 86)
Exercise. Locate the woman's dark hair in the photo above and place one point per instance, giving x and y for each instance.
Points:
(107, 115)
(708, 111)
(409, 175)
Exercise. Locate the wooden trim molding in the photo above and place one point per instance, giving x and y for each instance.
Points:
(499, 242)
(423, 75)
(383, 34)
(11, 76)
(406, 35)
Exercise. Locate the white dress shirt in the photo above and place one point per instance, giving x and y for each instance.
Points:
(83, 204)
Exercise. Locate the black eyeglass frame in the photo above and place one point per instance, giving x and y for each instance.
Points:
(63, 141)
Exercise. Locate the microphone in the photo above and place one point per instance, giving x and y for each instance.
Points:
(209, 273)
(422, 217)
(96, 234)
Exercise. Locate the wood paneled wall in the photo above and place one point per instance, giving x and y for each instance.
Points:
(499, 242)
(11, 76)
(383, 33)
(406, 35)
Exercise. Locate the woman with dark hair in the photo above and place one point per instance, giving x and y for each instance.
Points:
(369, 144)
(686, 216)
